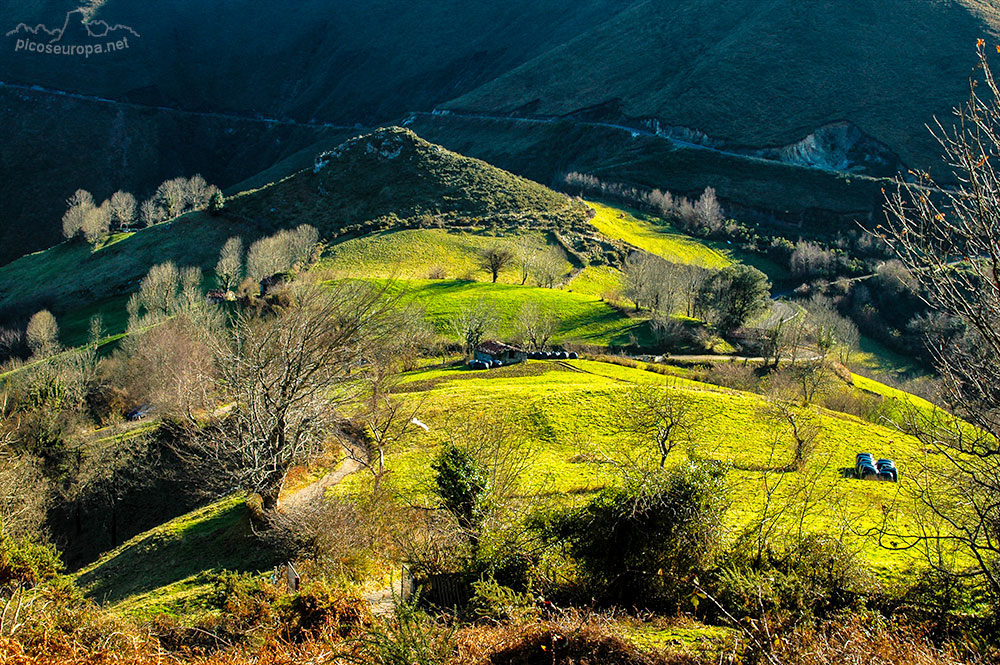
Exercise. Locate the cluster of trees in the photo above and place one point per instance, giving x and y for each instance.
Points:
(543, 264)
(727, 298)
(244, 394)
(809, 259)
(284, 251)
(850, 252)
(534, 325)
(661, 286)
(122, 212)
(702, 216)
(165, 291)
(280, 252)
(94, 222)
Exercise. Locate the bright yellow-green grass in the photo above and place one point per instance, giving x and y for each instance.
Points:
(599, 281)
(566, 412)
(170, 568)
(658, 237)
(873, 386)
(875, 357)
(417, 253)
(582, 318)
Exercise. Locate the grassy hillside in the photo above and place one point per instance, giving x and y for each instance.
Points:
(566, 410)
(74, 280)
(762, 73)
(642, 231)
(416, 253)
(394, 172)
(805, 201)
(368, 183)
(352, 66)
(169, 568)
(752, 74)
(583, 318)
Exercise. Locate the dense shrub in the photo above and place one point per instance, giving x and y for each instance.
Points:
(321, 612)
(461, 485)
(735, 375)
(639, 543)
(246, 601)
(815, 578)
(494, 602)
(27, 563)
(410, 637)
(571, 638)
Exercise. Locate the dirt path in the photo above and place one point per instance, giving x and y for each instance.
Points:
(382, 601)
(314, 491)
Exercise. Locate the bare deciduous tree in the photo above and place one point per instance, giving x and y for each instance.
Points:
(171, 197)
(474, 322)
(97, 223)
(525, 253)
(77, 207)
(800, 425)
(199, 193)
(658, 417)
(949, 240)
(288, 377)
(158, 289)
(281, 252)
(638, 278)
(548, 267)
(169, 367)
(655, 283)
(501, 455)
(809, 259)
(385, 418)
(831, 331)
(190, 295)
(708, 212)
(229, 268)
(24, 491)
(123, 210)
(42, 333)
(150, 213)
(494, 259)
(535, 325)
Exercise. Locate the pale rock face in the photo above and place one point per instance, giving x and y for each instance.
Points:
(839, 146)
(384, 145)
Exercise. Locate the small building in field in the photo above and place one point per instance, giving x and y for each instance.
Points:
(505, 353)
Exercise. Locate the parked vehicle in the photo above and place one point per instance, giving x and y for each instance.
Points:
(866, 467)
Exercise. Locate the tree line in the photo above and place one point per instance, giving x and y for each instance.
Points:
(94, 222)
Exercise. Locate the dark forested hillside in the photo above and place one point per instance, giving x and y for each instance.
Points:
(763, 77)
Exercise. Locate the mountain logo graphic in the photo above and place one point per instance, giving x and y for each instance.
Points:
(78, 36)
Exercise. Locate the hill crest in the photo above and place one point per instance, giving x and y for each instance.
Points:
(392, 174)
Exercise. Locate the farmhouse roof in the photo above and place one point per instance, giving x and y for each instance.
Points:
(495, 348)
